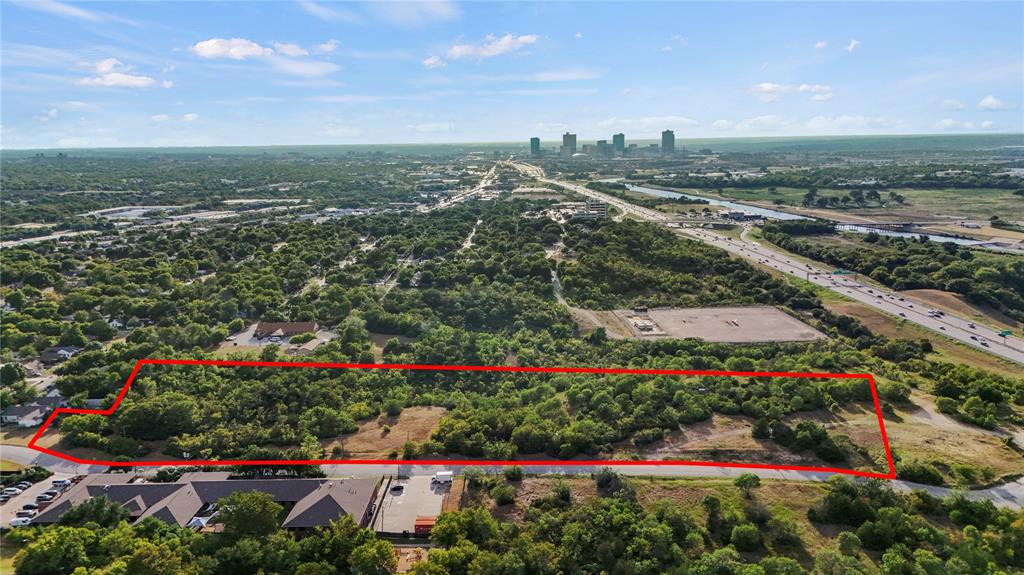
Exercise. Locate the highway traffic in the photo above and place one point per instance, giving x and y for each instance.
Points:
(963, 330)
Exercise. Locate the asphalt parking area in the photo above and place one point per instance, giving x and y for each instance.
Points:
(419, 497)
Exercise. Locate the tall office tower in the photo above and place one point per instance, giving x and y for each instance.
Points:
(569, 143)
(535, 147)
(668, 142)
(619, 144)
(603, 149)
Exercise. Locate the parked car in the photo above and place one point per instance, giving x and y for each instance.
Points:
(30, 506)
(44, 497)
(12, 491)
(21, 522)
(61, 483)
(396, 489)
(27, 513)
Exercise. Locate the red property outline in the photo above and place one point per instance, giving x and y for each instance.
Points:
(518, 369)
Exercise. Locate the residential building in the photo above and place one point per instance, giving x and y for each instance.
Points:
(281, 330)
(32, 413)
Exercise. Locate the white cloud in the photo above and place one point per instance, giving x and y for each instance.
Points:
(188, 118)
(953, 104)
(951, 124)
(308, 68)
(666, 48)
(988, 124)
(50, 114)
(721, 124)
(991, 103)
(492, 46)
(327, 47)
(434, 62)
(648, 124)
(771, 92)
(332, 14)
(340, 129)
(551, 127)
(578, 35)
(432, 128)
(852, 46)
(167, 84)
(111, 73)
(289, 49)
(820, 44)
(414, 14)
(235, 49)
(75, 105)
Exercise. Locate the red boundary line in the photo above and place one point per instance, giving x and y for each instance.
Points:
(518, 369)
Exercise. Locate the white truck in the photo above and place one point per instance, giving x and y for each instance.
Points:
(443, 477)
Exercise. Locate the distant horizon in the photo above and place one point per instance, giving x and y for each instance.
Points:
(117, 74)
(552, 142)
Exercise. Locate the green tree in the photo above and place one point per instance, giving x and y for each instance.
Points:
(747, 482)
(249, 514)
(375, 557)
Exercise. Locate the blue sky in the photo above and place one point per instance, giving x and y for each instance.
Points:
(103, 74)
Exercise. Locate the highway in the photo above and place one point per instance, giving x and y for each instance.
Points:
(965, 331)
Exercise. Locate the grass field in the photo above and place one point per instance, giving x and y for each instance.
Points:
(377, 437)
(10, 466)
(931, 204)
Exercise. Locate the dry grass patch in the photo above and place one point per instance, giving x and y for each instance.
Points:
(376, 438)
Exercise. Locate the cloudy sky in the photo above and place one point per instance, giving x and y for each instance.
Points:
(101, 74)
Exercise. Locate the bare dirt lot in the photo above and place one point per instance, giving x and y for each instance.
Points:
(373, 441)
(718, 324)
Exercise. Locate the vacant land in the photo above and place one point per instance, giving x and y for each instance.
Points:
(753, 324)
(377, 438)
(918, 431)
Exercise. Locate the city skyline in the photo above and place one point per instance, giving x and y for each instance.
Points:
(289, 73)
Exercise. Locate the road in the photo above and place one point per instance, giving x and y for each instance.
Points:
(980, 337)
(1009, 495)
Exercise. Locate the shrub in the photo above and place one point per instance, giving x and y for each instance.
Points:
(514, 473)
(745, 537)
(503, 494)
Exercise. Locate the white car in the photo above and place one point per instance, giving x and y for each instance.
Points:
(12, 491)
(21, 521)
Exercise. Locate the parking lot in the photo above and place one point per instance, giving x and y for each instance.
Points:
(9, 509)
(751, 324)
(418, 497)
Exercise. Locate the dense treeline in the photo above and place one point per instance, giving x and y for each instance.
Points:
(903, 263)
(880, 531)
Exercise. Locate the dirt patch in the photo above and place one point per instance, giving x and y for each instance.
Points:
(719, 324)
(531, 489)
(379, 340)
(919, 431)
(956, 303)
(374, 440)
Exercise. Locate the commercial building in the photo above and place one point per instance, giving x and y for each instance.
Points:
(668, 142)
(535, 147)
(568, 145)
(619, 144)
(191, 501)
